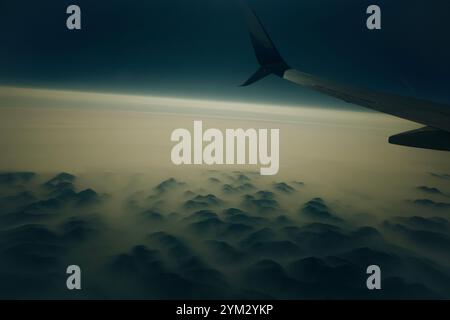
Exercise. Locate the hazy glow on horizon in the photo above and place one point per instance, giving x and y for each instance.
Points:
(51, 130)
(15, 97)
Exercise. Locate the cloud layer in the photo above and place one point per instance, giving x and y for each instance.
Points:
(231, 235)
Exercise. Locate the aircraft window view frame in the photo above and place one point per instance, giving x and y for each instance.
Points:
(141, 162)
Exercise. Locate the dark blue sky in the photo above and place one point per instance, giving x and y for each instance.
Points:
(201, 48)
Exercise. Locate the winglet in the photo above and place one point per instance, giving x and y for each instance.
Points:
(258, 75)
(266, 53)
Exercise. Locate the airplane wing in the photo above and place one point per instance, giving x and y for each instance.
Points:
(434, 116)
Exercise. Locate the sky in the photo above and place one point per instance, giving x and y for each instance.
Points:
(201, 48)
(92, 130)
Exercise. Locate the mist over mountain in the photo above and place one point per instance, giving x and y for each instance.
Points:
(144, 241)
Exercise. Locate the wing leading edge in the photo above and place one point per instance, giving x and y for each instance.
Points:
(435, 116)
